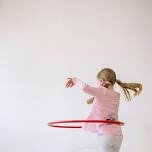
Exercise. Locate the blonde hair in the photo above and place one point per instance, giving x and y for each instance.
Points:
(109, 76)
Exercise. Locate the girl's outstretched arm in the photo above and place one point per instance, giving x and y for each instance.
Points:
(94, 91)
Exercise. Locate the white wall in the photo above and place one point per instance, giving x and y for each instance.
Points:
(43, 42)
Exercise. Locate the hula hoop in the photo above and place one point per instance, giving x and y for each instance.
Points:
(52, 124)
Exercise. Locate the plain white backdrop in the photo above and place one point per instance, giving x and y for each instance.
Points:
(45, 41)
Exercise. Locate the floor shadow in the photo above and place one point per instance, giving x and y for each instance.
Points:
(85, 149)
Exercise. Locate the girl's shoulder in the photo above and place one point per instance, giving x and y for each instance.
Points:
(110, 91)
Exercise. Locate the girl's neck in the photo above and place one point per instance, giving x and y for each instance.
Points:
(110, 87)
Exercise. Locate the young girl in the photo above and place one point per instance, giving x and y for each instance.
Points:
(105, 107)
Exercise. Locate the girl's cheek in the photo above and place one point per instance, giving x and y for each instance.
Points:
(103, 84)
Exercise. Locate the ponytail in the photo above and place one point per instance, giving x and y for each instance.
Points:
(90, 100)
(136, 87)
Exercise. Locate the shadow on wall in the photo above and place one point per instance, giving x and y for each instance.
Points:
(85, 149)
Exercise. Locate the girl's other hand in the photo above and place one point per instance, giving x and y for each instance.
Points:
(70, 83)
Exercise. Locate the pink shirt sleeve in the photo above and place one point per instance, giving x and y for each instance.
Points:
(94, 91)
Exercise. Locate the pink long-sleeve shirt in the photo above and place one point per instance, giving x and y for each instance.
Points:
(105, 107)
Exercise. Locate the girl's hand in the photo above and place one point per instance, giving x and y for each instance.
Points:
(70, 83)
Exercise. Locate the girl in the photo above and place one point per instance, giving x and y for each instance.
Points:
(105, 107)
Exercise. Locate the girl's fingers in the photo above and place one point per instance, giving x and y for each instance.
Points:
(69, 84)
(69, 81)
